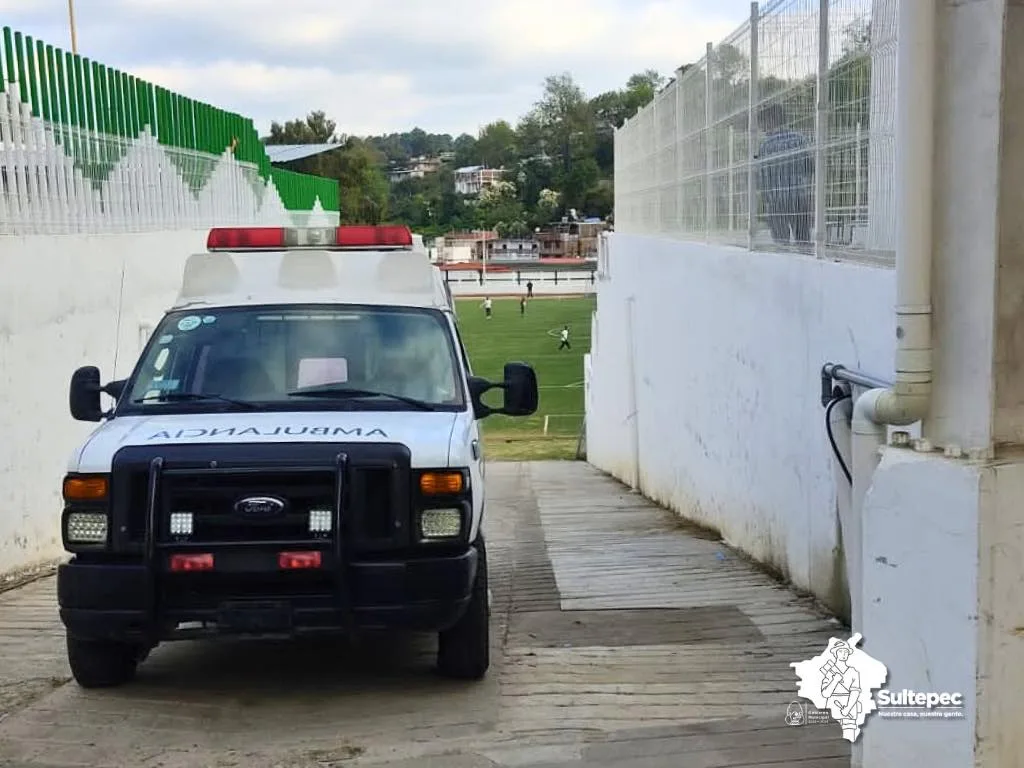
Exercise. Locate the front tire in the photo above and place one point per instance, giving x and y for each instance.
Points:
(102, 663)
(464, 650)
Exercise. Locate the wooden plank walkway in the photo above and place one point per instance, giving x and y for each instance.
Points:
(620, 639)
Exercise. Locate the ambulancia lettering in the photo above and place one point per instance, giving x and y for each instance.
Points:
(197, 432)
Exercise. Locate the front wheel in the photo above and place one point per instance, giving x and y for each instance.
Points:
(102, 663)
(464, 650)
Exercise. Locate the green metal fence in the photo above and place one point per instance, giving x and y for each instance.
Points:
(300, 190)
(77, 95)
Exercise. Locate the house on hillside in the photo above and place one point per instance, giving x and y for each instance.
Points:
(471, 179)
(417, 168)
(570, 239)
(464, 246)
(513, 249)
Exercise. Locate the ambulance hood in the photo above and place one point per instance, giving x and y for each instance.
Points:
(427, 435)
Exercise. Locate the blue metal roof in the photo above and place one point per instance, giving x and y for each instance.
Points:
(286, 153)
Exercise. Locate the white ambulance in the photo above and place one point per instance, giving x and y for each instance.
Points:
(295, 451)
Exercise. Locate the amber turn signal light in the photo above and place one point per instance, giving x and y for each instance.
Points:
(86, 487)
(435, 483)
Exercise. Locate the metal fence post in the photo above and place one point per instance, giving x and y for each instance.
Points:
(821, 131)
(708, 151)
(680, 157)
(753, 97)
(732, 180)
(656, 165)
(858, 181)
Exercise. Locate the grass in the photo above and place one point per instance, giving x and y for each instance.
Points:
(531, 338)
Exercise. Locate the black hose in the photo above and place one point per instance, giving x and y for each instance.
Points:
(836, 399)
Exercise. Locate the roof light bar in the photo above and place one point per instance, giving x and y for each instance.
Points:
(237, 238)
(282, 238)
(368, 236)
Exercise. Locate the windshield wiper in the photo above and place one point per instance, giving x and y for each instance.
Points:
(195, 396)
(334, 391)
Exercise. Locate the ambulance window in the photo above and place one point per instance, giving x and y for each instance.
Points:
(264, 356)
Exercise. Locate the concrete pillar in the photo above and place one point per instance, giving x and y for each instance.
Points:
(944, 523)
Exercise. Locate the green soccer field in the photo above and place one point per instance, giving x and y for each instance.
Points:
(531, 338)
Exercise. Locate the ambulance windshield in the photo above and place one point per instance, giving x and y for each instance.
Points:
(355, 358)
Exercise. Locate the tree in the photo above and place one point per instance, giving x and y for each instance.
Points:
(564, 114)
(548, 203)
(612, 108)
(857, 38)
(314, 129)
(498, 208)
(599, 199)
(465, 150)
(496, 145)
(557, 156)
(566, 122)
(641, 89)
(363, 186)
(730, 66)
(399, 148)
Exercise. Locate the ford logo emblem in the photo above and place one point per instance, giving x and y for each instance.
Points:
(260, 506)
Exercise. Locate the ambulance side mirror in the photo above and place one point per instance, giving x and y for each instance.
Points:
(520, 388)
(84, 396)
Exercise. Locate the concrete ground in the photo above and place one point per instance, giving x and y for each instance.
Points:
(620, 639)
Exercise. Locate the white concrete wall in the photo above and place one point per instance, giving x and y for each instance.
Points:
(467, 282)
(67, 301)
(723, 349)
(942, 607)
(921, 601)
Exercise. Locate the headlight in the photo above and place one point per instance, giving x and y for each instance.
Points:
(87, 527)
(440, 523)
(320, 520)
(181, 524)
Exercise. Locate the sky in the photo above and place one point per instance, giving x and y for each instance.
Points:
(381, 66)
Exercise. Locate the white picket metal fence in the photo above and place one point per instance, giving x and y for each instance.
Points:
(780, 137)
(134, 184)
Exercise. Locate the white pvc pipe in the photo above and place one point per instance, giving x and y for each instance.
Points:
(907, 401)
(866, 440)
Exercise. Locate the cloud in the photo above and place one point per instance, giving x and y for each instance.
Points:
(360, 104)
(382, 65)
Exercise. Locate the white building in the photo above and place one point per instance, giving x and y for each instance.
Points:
(418, 168)
(471, 179)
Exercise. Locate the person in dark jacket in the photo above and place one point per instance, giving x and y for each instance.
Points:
(786, 177)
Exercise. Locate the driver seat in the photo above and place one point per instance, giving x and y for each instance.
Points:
(238, 377)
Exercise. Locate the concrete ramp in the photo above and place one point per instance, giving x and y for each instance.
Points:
(620, 639)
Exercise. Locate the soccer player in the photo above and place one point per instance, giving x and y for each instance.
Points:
(564, 338)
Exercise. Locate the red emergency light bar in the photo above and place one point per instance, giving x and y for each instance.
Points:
(280, 238)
